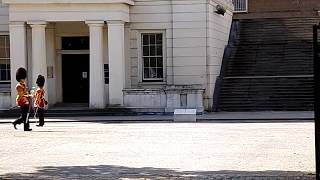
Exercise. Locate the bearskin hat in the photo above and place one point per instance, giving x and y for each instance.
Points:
(40, 81)
(21, 74)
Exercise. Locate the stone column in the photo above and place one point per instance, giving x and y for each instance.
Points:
(18, 53)
(116, 62)
(97, 93)
(39, 57)
(51, 61)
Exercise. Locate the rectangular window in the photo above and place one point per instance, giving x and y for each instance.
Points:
(4, 58)
(152, 56)
(75, 43)
(106, 73)
(240, 5)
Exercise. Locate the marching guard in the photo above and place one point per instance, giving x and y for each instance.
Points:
(23, 100)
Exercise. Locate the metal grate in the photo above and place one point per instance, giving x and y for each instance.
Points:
(240, 5)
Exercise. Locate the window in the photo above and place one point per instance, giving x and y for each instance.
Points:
(4, 58)
(106, 73)
(240, 5)
(152, 56)
(75, 43)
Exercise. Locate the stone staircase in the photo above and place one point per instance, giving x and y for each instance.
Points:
(267, 66)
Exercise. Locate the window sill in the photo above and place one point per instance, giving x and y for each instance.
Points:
(152, 83)
(240, 12)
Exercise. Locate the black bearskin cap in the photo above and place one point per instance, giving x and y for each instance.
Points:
(40, 81)
(21, 74)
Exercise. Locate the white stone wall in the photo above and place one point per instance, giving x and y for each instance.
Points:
(145, 15)
(217, 36)
(152, 98)
(5, 100)
(4, 18)
(184, 23)
(195, 40)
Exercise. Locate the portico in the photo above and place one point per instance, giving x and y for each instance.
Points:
(102, 17)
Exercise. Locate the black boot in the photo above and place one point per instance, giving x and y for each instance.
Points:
(15, 125)
(27, 127)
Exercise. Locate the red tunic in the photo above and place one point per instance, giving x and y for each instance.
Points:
(39, 98)
(22, 99)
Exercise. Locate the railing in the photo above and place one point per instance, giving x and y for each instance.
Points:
(240, 6)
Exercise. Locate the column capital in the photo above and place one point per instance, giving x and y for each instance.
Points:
(17, 23)
(37, 23)
(95, 23)
(113, 22)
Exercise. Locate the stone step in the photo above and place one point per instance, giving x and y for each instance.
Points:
(77, 112)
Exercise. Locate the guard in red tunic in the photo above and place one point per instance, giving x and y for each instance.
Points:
(39, 100)
(23, 99)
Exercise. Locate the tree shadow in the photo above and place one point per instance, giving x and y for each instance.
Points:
(122, 172)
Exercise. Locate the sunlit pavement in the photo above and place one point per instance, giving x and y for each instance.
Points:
(100, 150)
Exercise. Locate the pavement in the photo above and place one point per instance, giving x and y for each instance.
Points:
(84, 149)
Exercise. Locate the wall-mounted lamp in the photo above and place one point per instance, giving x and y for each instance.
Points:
(220, 10)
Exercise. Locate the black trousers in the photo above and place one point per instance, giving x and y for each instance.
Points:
(40, 112)
(23, 118)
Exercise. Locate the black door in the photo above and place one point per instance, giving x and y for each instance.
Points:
(75, 78)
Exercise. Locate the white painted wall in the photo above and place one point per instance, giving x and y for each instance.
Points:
(4, 18)
(195, 40)
(146, 15)
(217, 39)
(185, 20)
(5, 100)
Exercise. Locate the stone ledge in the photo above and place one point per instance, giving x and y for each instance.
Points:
(185, 89)
(143, 91)
(130, 2)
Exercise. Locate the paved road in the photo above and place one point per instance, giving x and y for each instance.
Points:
(97, 150)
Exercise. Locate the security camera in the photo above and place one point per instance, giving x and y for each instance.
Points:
(220, 10)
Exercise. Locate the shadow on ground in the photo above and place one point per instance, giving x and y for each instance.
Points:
(147, 121)
(121, 172)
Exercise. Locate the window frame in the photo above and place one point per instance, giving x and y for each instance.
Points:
(8, 59)
(140, 57)
(243, 11)
(106, 74)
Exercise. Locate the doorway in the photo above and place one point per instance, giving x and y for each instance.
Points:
(75, 78)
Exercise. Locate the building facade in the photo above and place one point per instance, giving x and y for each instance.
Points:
(153, 54)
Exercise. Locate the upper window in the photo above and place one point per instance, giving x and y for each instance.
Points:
(152, 56)
(75, 43)
(4, 58)
(240, 5)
